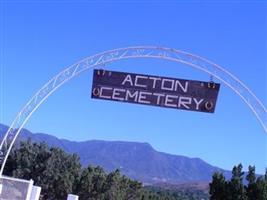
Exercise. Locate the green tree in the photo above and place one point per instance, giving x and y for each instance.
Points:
(120, 187)
(261, 187)
(236, 186)
(50, 168)
(91, 184)
(252, 188)
(218, 187)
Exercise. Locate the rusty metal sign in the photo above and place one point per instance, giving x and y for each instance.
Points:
(155, 90)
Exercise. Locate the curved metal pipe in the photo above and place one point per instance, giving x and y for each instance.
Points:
(106, 57)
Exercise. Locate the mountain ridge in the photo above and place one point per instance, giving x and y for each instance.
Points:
(137, 160)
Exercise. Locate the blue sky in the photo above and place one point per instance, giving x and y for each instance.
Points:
(40, 38)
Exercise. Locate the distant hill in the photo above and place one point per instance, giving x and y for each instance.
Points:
(136, 160)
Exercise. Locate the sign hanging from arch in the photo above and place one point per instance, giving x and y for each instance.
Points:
(155, 90)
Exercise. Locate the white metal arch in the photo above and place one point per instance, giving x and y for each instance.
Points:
(103, 58)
